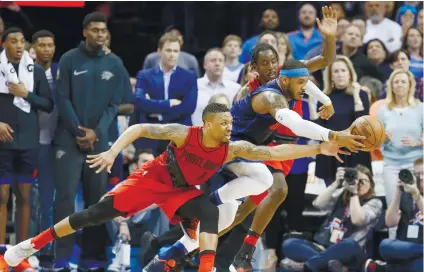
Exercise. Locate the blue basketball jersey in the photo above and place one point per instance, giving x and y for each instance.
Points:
(250, 126)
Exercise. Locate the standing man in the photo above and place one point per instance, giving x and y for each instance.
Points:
(89, 90)
(307, 37)
(165, 94)
(23, 91)
(43, 42)
(185, 60)
(213, 83)
(231, 47)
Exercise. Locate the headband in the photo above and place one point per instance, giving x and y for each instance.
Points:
(295, 72)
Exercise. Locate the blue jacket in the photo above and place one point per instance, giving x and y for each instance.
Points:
(182, 86)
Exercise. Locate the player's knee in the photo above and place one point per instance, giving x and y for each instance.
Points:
(279, 190)
(263, 180)
(209, 219)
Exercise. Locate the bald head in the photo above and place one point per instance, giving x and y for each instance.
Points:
(214, 63)
(307, 16)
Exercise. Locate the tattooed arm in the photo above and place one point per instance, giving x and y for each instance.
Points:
(242, 93)
(172, 132)
(249, 151)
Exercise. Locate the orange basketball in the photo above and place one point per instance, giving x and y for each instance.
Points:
(371, 128)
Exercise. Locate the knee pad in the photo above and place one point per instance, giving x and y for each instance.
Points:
(209, 219)
(227, 214)
(262, 177)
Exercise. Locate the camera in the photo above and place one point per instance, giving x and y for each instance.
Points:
(406, 176)
(351, 174)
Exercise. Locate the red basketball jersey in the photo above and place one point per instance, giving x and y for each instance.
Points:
(196, 162)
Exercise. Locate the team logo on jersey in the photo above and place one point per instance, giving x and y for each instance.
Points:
(106, 75)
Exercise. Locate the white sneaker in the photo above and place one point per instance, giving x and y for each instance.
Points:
(16, 254)
(115, 266)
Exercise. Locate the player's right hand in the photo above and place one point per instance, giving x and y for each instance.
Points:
(5, 133)
(352, 142)
(101, 161)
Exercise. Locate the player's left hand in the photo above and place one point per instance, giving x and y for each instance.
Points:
(102, 161)
(326, 111)
(332, 149)
(328, 25)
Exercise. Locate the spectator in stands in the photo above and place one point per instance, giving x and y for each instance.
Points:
(377, 53)
(43, 42)
(406, 212)
(167, 93)
(247, 74)
(269, 21)
(284, 49)
(213, 83)
(89, 90)
(231, 47)
(382, 28)
(372, 86)
(400, 60)
(338, 7)
(352, 41)
(407, 18)
(185, 60)
(220, 98)
(360, 23)
(24, 92)
(420, 21)
(350, 103)
(342, 238)
(402, 118)
(307, 37)
(413, 44)
(140, 158)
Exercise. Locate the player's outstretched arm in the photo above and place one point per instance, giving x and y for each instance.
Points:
(172, 132)
(249, 151)
(276, 105)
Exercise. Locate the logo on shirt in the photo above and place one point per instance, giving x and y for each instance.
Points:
(30, 67)
(106, 75)
(76, 73)
(59, 154)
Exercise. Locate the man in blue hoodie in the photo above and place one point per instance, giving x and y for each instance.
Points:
(89, 90)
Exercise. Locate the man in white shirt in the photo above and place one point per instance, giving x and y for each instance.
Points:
(212, 83)
(231, 47)
(379, 27)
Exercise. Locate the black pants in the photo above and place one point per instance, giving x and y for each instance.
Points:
(70, 169)
(294, 205)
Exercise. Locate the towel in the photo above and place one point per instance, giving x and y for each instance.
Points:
(26, 76)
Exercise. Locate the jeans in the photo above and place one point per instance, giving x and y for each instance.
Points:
(406, 256)
(346, 251)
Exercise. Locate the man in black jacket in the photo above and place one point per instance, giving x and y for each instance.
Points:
(19, 130)
(89, 90)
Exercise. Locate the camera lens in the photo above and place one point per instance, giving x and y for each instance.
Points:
(406, 176)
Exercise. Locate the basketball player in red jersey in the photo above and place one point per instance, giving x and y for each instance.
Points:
(192, 157)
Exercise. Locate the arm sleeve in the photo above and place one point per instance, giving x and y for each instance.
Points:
(301, 127)
(41, 98)
(314, 91)
(63, 97)
(148, 105)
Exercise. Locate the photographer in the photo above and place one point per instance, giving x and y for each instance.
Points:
(405, 253)
(341, 239)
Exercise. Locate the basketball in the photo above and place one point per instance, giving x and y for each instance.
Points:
(371, 128)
